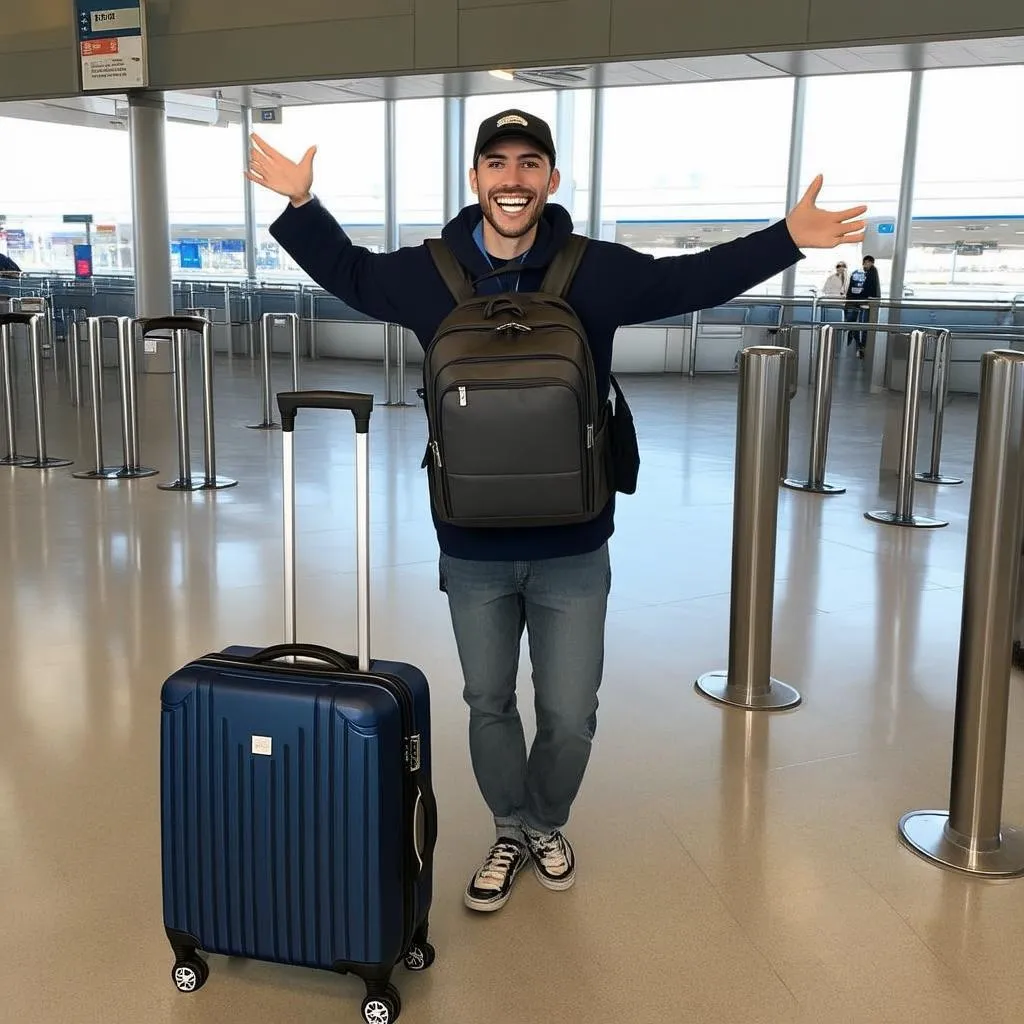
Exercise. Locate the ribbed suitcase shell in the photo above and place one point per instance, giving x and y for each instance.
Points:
(294, 856)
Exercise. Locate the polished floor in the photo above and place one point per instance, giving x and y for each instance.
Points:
(733, 868)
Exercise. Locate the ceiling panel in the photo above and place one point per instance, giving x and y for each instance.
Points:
(822, 61)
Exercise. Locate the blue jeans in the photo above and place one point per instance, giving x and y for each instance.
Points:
(561, 603)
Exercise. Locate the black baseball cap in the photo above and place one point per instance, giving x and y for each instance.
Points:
(514, 124)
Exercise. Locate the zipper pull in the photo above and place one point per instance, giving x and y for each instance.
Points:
(590, 435)
(437, 453)
(462, 396)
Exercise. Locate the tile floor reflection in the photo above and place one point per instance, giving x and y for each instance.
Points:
(733, 867)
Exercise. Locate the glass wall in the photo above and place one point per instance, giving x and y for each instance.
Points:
(51, 170)
(688, 166)
(348, 174)
(419, 166)
(968, 234)
(855, 129)
(684, 167)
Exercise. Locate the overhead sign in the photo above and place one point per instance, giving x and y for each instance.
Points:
(77, 218)
(111, 36)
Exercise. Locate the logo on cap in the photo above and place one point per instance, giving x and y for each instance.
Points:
(512, 119)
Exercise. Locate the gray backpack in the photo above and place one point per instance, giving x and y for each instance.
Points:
(517, 434)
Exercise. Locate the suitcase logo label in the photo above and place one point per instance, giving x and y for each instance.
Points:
(262, 745)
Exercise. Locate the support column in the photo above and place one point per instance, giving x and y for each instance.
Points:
(454, 156)
(249, 196)
(391, 233)
(150, 217)
(905, 209)
(796, 154)
(596, 164)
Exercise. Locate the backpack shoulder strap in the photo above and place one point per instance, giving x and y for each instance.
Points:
(451, 270)
(563, 267)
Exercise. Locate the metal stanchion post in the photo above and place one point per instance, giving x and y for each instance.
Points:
(820, 414)
(295, 352)
(904, 513)
(267, 322)
(971, 838)
(185, 480)
(210, 480)
(42, 460)
(747, 682)
(7, 320)
(267, 423)
(784, 338)
(400, 361)
(940, 394)
(387, 364)
(74, 361)
(180, 326)
(130, 468)
(694, 331)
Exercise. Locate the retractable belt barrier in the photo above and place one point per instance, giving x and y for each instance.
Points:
(180, 327)
(36, 323)
(130, 467)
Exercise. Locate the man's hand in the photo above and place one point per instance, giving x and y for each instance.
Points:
(273, 170)
(814, 228)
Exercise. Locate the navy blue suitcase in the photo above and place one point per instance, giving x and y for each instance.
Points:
(298, 816)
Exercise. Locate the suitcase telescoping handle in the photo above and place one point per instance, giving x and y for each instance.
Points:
(289, 403)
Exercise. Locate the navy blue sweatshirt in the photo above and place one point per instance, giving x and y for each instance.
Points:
(614, 286)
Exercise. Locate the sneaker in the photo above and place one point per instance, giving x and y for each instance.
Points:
(554, 862)
(491, 886)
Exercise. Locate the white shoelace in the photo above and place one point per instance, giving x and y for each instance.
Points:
(494, 872)
(550, 852)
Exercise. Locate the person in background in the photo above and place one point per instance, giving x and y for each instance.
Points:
(864, 284)
(836, 283)
(8, 268)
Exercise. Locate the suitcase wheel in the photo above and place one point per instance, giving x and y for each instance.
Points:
(420, 957)
(190, 975)
(383, 1008)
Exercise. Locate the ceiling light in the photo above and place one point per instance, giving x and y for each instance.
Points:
(508, 76)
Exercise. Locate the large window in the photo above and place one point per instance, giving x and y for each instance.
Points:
(968, 233)
(855, 130)
(348, 173)
(419, 141)
(51, 170)
(689, 166)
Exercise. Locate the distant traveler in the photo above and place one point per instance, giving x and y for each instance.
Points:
(836, 283)
(551, 580)
(8, 268)
(864, 284)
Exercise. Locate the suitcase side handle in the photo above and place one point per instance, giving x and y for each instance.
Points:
(289, 403)
(427, 804)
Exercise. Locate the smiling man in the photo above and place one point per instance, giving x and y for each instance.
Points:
(517, 573)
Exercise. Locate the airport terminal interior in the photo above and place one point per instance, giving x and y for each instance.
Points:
(733, 865)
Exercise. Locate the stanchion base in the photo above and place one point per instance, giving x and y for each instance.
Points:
(197, 483)
(925, 833)
(47, 463)
(938, 478)
(891, 519)
(806, 485)
(114, 473)
(15, 460)
(263, 426)
(398, 405)
(715, 685)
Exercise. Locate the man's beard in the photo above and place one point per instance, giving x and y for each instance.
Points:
(518, 228)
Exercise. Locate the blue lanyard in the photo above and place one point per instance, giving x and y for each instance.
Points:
(478, 237)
